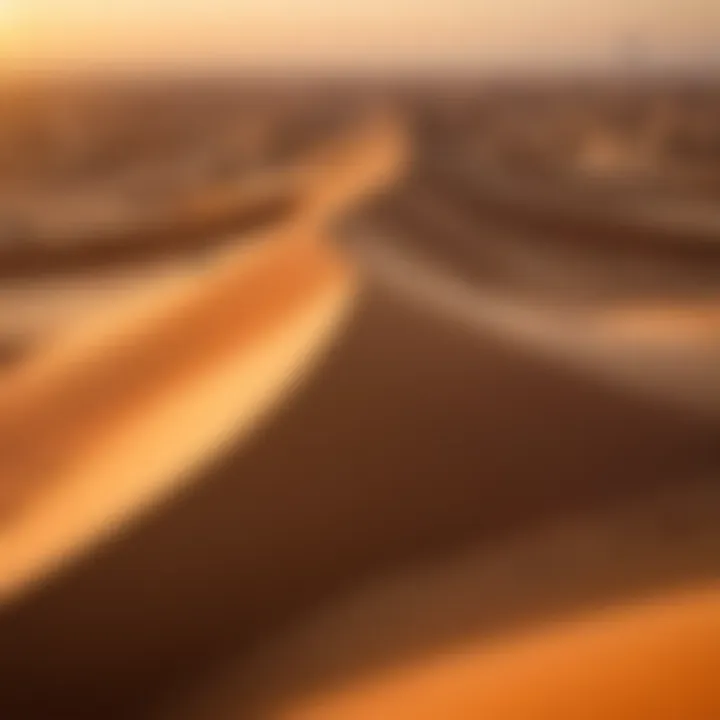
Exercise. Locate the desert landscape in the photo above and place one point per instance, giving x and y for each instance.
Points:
(317, 398)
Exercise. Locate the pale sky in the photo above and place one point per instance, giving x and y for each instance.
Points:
(353, 33)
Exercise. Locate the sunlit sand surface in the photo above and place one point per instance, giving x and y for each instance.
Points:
(652, 662)
(668, 324)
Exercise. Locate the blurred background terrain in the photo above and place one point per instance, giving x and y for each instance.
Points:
(516, 285)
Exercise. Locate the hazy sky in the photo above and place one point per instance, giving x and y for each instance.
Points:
(356, 33)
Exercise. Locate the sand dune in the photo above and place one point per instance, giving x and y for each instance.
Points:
(466, 606)
(132, 412)
(654, 661)
(412, 435)
(70, 415)
(154, 529)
